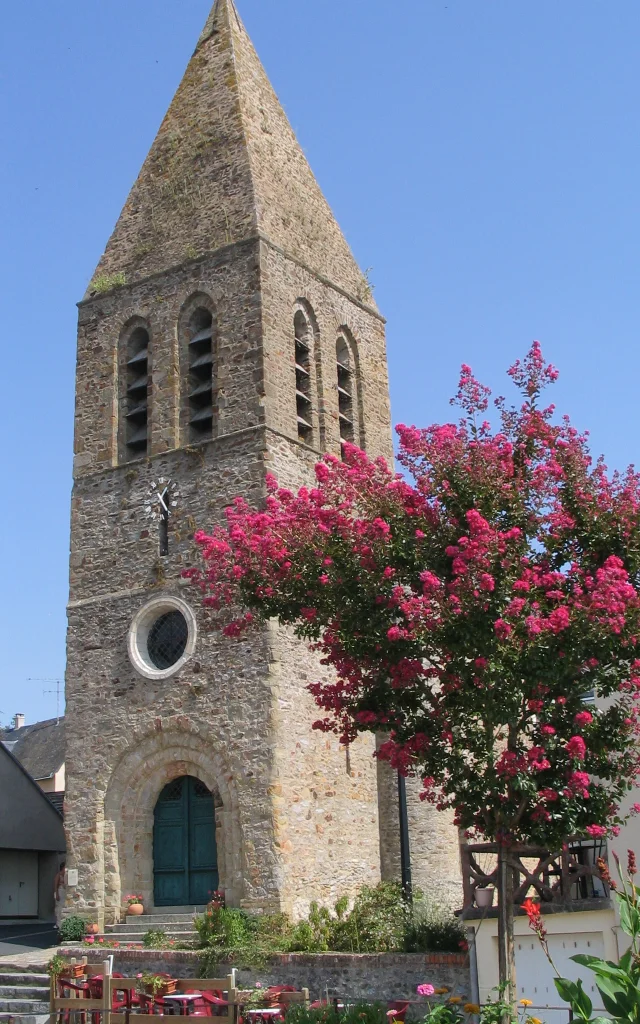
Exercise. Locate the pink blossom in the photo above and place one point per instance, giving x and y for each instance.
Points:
(576, 747)
(425, 990)
(502, 629)
(583, 718)
(596, 831)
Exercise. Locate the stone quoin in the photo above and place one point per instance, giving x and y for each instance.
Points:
(227, 333)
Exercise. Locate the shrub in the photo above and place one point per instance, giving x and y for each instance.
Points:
(72, 929)
(378, 922)
(155, 938)
(358, 1013)
(430, 929)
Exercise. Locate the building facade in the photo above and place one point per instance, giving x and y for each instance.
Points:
(226, 334)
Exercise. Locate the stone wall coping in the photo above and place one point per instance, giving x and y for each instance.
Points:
(178, 956)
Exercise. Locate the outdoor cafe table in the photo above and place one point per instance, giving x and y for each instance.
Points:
(183, 999)
(264, 1013)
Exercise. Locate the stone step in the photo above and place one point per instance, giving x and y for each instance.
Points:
(30, 1006)
(173, 926)
(129, 936)
(128, 929)
(23, 992)
(15, 977)
(25, 1018)
(174, 910)
(146, 923)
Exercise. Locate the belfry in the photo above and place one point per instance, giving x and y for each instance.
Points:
(227, 333)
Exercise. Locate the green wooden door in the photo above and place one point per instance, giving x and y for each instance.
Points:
(185, 864)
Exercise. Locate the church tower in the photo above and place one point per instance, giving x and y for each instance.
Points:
(227, 333)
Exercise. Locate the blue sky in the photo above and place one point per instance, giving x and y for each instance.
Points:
(480, 155)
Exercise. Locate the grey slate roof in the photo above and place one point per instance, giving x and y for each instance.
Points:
(40, 748)
(28, 821)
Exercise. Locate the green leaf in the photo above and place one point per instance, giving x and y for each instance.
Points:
(603, 968)
(621, 1000)
(629, 918)
(572, 993)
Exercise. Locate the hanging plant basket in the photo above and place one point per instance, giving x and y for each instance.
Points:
(484, 897)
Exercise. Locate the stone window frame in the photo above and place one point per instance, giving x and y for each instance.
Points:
(345, 336)
(133, 324)
(316, 438)
(139, 629)
(196, 301)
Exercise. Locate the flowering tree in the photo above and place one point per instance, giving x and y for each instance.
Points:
(466, 611)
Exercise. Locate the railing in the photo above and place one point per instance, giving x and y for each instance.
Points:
(562, 877)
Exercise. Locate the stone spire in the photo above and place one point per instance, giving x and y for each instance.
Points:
(226, 166)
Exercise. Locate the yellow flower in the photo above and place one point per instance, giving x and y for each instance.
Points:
(526, 1002)
(471, 1008)
(441, 991)
(454, 999)
(533, 1020)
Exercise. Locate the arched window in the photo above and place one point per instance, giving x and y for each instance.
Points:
(201, 412)
(303, 361)
(137, 397)
(347, 397)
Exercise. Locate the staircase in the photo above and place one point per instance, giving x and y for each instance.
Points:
(24, 995)
(177, 922)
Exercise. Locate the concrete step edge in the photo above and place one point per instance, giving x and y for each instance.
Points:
(23, 1006)
(15, 978)
(24, 992)
(154, 921)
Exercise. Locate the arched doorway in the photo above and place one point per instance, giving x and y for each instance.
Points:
(185, 863)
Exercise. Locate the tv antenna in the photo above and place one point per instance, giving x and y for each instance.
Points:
(58, 682)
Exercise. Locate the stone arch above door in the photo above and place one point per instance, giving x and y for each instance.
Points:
(151, 761)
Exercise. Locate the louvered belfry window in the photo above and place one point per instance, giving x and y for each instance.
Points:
(345, 391)
(303, 378)
(201, 375)
(137, 414)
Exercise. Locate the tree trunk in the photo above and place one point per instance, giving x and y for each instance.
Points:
(506, 947)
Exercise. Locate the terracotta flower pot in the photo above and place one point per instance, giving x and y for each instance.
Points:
(92, 929)
(484, 897)
(166, 989)
(72, 971)
(135, 909)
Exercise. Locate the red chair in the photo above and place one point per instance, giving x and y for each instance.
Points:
(68, 989)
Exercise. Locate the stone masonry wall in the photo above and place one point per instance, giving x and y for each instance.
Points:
(383, 976)
(292, 823)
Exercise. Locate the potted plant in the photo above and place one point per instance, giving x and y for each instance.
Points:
(134, 904)
(156, 984)
(59, 967)
(92, 929)
(484, 894)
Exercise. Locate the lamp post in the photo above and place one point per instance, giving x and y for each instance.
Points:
(405, 851)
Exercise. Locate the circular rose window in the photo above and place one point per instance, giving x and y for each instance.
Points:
(162, 637)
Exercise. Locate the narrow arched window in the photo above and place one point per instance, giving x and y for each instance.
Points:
(304, 407)
(137, 398)
(201, 412)
(347, 399)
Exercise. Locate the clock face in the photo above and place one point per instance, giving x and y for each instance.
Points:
(162, 498)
